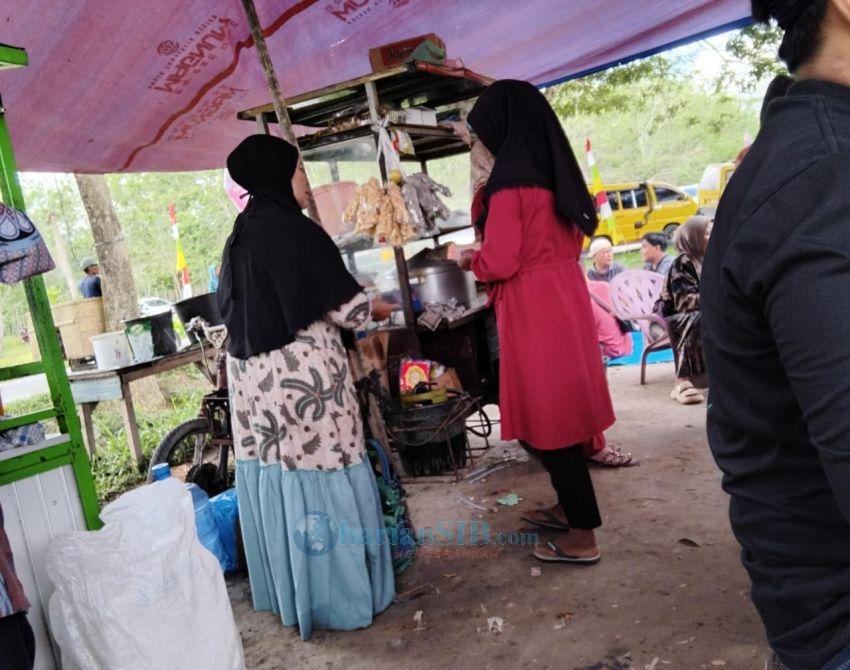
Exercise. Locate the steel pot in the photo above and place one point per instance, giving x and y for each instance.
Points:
(441, 281)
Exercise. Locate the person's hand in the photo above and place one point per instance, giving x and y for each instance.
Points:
(381, 309)
(465, 260)
(461, 129)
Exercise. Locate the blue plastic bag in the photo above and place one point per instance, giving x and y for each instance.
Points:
(225, 508)
(205, 524)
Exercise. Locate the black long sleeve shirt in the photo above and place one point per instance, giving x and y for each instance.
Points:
(776, 334)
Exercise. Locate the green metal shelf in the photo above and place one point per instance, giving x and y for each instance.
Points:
(69, 448)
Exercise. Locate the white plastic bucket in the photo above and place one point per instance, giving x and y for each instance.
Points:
(111, 350)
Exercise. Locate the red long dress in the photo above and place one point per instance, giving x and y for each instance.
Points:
(553, 392)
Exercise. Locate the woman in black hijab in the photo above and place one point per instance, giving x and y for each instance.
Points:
(553, 395)
(302, 476)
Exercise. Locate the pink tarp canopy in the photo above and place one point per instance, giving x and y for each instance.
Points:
(155, 85)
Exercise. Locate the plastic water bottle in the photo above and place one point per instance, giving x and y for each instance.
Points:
(161, 471)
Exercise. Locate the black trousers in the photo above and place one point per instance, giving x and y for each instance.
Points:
(571, 480)
(17, 643)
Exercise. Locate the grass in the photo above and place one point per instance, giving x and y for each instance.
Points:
(630, 259)
(14, 351)
(113, 467)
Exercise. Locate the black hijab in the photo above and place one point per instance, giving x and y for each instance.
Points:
(517, 124)
(280, 271)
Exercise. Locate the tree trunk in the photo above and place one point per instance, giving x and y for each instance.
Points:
(60, 244)
(119, 289)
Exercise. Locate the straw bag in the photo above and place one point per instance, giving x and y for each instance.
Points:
(23, 252)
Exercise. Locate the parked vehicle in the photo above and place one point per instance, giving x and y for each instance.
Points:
(647, 207)
(711, 185)
(151, 306)
(692, 190)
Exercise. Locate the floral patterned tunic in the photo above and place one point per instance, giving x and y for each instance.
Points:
(297, 406)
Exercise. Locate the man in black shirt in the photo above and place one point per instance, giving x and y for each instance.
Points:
(775, 297)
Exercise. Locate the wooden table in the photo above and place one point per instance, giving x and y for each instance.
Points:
(91, 387)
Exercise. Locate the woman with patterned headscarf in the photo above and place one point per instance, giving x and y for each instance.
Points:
(680, 306)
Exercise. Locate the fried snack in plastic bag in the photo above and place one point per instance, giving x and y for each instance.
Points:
(349, 216)
(432, 207)
(369, 207)
(415, 216)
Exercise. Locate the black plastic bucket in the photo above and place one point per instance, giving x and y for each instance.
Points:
(204, 306)
(151, 336)
(430, 439)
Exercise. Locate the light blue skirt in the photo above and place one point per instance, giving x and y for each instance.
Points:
(314, 545)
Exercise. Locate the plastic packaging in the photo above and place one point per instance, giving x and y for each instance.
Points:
(225, 507)
(141, 593)
(205, 524)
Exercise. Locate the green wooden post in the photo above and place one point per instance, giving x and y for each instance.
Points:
(52, 365)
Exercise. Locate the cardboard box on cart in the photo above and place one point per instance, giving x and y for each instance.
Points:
(396, 53)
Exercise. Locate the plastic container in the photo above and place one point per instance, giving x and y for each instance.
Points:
(111, 350)
(331, 201)
(203, 306)
(205, 524)
(77, 322)
(160, 471)
(151, 336)
(424, 435)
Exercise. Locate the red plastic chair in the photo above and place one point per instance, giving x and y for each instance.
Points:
(633, 296)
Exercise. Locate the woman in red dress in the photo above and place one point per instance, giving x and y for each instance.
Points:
(553, 395)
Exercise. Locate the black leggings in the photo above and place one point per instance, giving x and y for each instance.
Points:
(571, 480)
(17, 643)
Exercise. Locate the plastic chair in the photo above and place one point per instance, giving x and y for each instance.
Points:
(633, 297)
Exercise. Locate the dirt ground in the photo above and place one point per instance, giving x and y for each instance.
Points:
(669, 592)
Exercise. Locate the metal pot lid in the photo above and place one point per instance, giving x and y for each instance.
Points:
(429, 259)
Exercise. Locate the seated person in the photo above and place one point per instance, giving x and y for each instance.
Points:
(653, 251)
(679, 304)
(601, 254)
(614, 342)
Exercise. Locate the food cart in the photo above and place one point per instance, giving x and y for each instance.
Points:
(340, 144)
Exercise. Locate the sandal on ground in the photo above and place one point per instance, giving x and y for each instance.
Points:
(686, 395)
(561, 557)
(613, 457)
(551, 521)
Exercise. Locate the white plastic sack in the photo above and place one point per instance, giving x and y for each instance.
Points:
(142, 593)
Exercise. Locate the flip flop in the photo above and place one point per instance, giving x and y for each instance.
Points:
(561, 557)
(613, 457)
(551, 520)
(686, 395)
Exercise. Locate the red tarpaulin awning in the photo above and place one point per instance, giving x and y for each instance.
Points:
(155, 85)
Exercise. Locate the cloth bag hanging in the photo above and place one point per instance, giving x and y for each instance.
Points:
(23, 252)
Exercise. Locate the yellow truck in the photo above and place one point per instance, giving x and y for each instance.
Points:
(646, 207)
(714, 180)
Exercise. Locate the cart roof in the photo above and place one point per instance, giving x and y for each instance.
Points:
(156, 85)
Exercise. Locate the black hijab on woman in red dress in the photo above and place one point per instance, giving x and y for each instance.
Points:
(280, 271)
(519, 127)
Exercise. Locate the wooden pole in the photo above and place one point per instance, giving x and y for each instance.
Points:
(277, 98)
